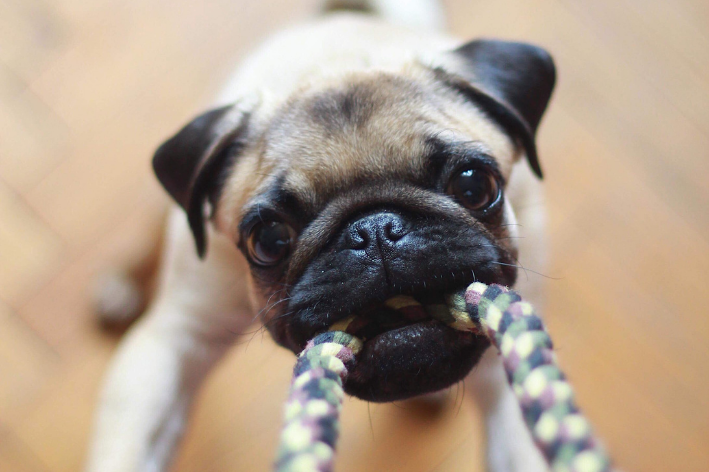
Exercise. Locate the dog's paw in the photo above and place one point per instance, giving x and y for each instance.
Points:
(117, 299)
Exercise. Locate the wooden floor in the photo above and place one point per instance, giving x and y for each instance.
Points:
(88, 89)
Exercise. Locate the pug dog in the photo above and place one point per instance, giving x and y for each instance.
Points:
(360, 156)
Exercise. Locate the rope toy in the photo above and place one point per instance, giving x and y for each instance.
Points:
(560, 431)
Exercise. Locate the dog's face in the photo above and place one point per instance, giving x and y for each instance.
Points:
(368, 186)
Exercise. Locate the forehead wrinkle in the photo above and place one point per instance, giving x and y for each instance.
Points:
(349, 107)
(346, 99)
(372, 152)
(391, 143)
(319, 181)
(401, 112)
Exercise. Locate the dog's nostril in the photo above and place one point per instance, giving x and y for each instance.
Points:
(358, 238)
(386, 228)
(394, 231)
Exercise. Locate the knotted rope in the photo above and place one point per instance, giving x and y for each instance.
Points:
(561, 433)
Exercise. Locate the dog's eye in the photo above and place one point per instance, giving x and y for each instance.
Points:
(270, 243)
(475, 189)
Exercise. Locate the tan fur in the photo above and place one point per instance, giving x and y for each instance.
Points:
(293, 88)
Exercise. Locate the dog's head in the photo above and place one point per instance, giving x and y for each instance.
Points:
(366, 186)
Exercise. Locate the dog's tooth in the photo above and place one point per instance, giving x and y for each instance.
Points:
(401, 301)
(342, 324)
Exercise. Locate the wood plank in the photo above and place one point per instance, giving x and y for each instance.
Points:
(56, 429)
(62, 312)
(618, 382)
(31, 251)
(15, 457)
(26, 365)
(31, 35)
(39, 138)
(675, 64)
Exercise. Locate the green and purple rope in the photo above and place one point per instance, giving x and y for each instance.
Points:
(561, 433)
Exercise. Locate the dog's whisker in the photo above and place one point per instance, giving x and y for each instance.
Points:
(530, 270)
(267, 307)
(278, 317)
(518, 266)
(369, 414)
(462, 397)
(275, 304)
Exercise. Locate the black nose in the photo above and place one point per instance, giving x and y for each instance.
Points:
(378, 230)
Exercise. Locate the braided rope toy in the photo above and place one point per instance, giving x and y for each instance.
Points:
(561, 433)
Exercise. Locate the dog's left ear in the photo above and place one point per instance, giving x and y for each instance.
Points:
(512, 82)
(192, 164)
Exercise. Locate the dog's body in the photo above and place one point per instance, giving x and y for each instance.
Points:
(322, 175)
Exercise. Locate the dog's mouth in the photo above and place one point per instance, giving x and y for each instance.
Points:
(406, 350)
(396, 313)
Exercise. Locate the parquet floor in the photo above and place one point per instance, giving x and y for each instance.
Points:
(87, 90)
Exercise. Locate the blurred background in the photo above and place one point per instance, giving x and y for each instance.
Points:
(88, 89)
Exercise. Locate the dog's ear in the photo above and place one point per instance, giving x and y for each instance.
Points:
(512, 82)
(193, 163)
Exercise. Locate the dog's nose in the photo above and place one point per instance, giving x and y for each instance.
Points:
(382, 230)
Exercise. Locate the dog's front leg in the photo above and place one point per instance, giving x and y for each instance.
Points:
(199, 309)
(509, 445)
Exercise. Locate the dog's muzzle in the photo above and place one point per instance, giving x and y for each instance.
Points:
(384, 254)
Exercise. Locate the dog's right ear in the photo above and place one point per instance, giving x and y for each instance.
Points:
(512, 82)
(193, 163)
